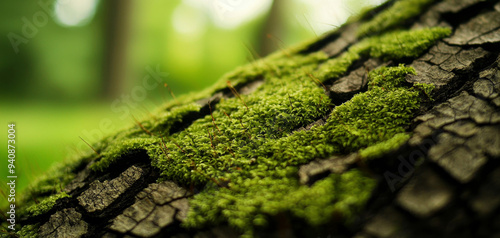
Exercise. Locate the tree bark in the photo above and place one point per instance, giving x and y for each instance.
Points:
(453, 191)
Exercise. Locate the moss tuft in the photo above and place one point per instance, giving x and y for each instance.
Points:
(390, 46)
(384, 147)
(29, 231)
(57, 177)
(260, 198)
(389, 78)
(46, 189)
(425, 88)
(45, 205)
(402, 43)
(140, 139)
(394, 16)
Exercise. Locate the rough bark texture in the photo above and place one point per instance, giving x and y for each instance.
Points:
(444, 182)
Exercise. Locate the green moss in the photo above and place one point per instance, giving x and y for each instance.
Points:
(55, 179)
(28, 231)
(393, 17)
(402, 43)
(49, 183)
(389, 78)
(247, 152)
(45, 205)
(266, 185)
(425, 88)
(260, 198)
(367, 118)
(336, 67)
(205, 150)
(384, 147)
(249, 144)
(364, 13)
(141, 139)
(392, 45)
(45, 186)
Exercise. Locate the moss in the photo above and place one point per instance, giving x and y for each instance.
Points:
(384, 147)
(210, 149)
(45, 205)
(389, 78)
(390, 46)
(402, 43)
(45, 186)
(425, 88)
(364, 13)
(51, 182)
(249, 144)
(393, 17)
(266, 185)
(264, 197)
(246, 154)
(29, 231)
(140, 138)
(48, 184)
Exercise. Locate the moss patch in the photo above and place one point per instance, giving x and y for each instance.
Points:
(393, 17)
(390, 46)
(402, 43)
(41, 195)
(251, 204)
(264, 182)
(45, 205)
(384, 147)
(28, 231)
(290, 87)
(246, 153)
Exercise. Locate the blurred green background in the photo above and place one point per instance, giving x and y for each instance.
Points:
(73, 68)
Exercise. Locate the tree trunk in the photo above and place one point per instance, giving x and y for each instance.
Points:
(444, 181)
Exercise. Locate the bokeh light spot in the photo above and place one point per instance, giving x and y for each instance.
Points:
(75, 12)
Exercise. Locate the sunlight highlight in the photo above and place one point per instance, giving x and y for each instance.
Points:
(325, 15)
(75, 12)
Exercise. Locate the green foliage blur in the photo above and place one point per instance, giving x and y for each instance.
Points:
(62, 79)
